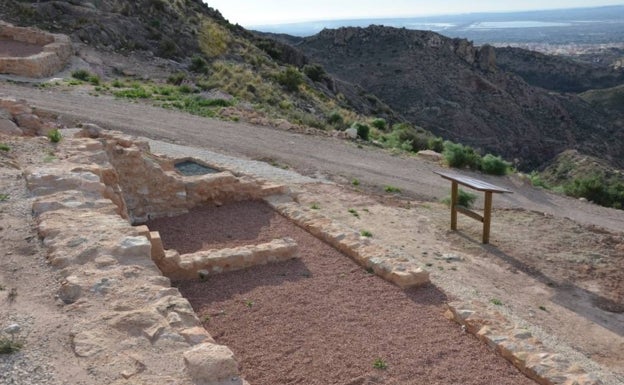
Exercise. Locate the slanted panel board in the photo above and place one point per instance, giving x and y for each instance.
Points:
(487, 188)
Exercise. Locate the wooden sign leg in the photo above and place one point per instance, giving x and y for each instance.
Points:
(454, 194)
(487, 216)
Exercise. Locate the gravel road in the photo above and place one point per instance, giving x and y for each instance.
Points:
(309, 155)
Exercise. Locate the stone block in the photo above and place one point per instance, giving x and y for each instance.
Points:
(209, 363)
(158, 251)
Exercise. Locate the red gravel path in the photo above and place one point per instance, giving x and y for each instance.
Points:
(323, 320)
(12, 48)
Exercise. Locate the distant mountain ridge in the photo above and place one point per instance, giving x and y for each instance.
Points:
(458, 91)
(593, 25)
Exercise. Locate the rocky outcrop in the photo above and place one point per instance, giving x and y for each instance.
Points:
(17, 118)
(459, 92)
(56, 52)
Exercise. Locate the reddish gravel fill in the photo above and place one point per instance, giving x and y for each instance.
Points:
(324, 320)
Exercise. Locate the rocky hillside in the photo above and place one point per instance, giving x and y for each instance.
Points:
(214, 54)
(557, 73)
(459, 91)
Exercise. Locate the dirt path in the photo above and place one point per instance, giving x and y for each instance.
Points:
(310, 155)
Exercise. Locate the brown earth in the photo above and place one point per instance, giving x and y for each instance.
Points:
(322, 319)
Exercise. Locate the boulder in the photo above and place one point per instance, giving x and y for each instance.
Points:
(7, 127)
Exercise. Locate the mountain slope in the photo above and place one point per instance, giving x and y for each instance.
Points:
(456, 90)
(213, 53)
(556, 73)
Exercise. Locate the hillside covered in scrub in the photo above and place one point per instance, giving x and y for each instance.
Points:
(458, 91)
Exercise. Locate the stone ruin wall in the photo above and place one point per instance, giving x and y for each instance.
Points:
(57, 51)
(151, 187)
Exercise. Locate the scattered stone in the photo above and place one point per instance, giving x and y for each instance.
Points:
(12, 329)
(351, 133)
(430, 155)
(70, 290)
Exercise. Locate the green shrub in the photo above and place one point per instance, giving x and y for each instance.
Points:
(435, 144)
(460, 156)
(198, 64)
(494, 165)
(335, 119)
(536, 180)
(417, 137)
(4, 147)
(315, 72)
(117, 83)
(8, 346)
(379, 124)
(290, 78)
(185, 89)
(94, 79)
(464, 199)
(133, 93)
(54, 136)
(176, 79)
(363, 130)
(598, 189)
(83, 75)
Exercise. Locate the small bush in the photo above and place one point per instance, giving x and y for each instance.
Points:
(392, 189)
(379, 124)
(198, 64)
(133, 93)
(8, 346)
(335, 119)
(460, 156)
(83, 75)
(176, 79)
(117, 83)
(185, 89)
(494, 165)
(54, 136)
(366, 233)
(4, 147)
(435, 144)
(315, 72)
(536, 180)
(363, 130)
(94, 79)
(290, 78)
(464, 199)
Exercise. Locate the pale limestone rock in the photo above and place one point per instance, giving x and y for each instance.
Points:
(196, 335)
(430, 155)
(7, 127)
(133, 247)
(209, 363)
(351, 133)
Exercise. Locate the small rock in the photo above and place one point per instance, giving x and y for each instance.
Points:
(351, 133)
(13, 329)
(70, 290)
(208, 363)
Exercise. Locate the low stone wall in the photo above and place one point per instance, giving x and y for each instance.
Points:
(57, 51)
(204, 263)
(392, 265)
(518, 346)
(152, 188)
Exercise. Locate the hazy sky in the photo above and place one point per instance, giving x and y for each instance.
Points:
(248, 13)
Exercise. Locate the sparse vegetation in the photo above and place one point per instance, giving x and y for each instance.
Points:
(496, 301)
(4, 147)
(366, 233)
(9, 345)
(354, 213)
(315, 206)
(55, 136)
(380, 364)
(494, 165)
(249, 303)
(290, 78)
(363, 130)
(4, 197)
(392, 189)
(355, 182)
(315, 72)
(464, 199)
(198, 64)
(83, 75)
(459, 156)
